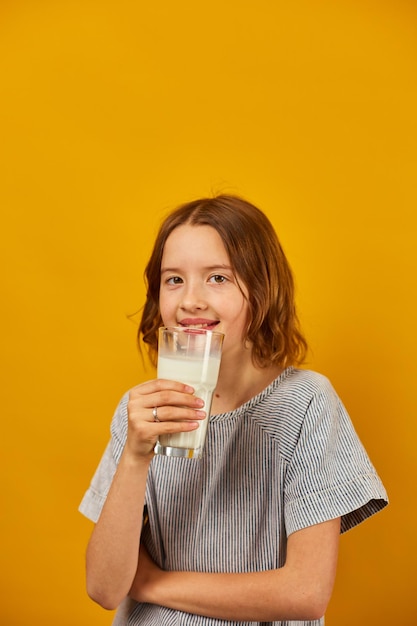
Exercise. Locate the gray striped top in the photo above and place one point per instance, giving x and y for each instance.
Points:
(285, 460)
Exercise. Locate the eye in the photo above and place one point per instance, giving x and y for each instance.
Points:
(174, 280)
(218, 279)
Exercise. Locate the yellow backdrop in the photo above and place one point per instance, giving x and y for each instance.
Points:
(114, 112)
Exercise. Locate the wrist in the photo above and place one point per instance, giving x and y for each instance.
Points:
(134, 461)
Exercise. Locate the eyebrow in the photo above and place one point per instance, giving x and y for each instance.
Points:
(208, 268)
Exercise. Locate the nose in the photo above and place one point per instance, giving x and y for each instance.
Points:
(193, 299)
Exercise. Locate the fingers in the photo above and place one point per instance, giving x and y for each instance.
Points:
(170, 413)
(164, 394)
(162, 384)
(160, 407)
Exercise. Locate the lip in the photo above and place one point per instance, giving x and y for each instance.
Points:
(199, 323)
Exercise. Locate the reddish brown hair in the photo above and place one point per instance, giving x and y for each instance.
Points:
(258, 261)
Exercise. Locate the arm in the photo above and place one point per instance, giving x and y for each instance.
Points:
(300, 590)
(113, 549)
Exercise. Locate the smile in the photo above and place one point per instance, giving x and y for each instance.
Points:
(198, 325)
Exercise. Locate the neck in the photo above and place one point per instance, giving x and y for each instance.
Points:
(240, 382)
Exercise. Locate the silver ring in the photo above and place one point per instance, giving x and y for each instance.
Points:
(155, 414)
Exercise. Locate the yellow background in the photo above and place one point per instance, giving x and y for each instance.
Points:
(111, 113)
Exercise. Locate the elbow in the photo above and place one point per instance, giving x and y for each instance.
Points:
(313, 605)
(314, 611)
(106, 599)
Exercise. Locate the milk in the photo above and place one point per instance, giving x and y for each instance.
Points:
(200, 374)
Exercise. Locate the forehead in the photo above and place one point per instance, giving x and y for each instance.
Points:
(189, 243)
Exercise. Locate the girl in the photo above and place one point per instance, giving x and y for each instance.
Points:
(250, 532)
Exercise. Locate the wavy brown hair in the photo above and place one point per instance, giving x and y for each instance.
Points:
(258, 261)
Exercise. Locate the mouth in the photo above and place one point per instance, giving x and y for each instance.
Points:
(199, 324)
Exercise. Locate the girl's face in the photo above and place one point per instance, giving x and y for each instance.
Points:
(198, 287)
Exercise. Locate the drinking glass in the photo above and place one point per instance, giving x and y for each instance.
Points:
(191, 356)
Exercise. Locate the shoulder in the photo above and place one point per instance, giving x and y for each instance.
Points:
(297, 388)
(307, 378)
(291, 400)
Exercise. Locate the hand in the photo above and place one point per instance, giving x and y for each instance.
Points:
(147, 575)
(178, 411)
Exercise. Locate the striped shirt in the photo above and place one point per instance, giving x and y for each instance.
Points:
(287, 459)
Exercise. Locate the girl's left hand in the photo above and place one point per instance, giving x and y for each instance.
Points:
(147, 576)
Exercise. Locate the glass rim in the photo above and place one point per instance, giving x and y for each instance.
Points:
(192, 331)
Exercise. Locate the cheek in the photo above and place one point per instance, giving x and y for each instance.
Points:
(241, 311)
(162, 306)
(239, 319)
(166, 306)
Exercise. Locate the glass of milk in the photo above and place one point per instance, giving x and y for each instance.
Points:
(191, 356)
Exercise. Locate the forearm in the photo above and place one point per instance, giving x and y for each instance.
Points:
(263, 596)
(113, 549)
(300, 590)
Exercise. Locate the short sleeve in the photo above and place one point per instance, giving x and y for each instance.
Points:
(95, 496)
(330, 474)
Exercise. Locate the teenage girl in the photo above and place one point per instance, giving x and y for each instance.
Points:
(250, 532)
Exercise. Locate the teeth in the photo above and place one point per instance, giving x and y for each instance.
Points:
(197, 326)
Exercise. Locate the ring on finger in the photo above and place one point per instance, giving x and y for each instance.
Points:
(155, 414)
